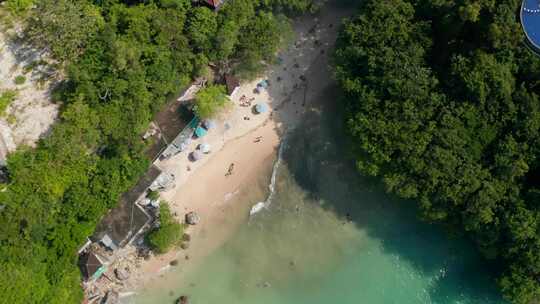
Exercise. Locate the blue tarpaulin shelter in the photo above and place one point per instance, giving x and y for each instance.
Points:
(200, 131)
(261, 107)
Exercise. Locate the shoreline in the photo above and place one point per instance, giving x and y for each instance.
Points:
(203, 187)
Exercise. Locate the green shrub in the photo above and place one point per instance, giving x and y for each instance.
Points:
(169, 234)
(153, 195)
(6, 98)
(210, 101)
(20, 80)
(18, 7)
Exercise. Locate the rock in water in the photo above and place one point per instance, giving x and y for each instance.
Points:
(182, 300)
(192, 218)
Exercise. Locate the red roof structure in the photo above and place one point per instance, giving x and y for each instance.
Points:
(214, 3)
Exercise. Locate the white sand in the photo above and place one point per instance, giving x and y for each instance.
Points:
(204, 188)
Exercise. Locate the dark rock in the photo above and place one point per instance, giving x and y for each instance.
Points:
(173, 263)
(184, 245)
(186, 237)
(192, 218)
(182, 300)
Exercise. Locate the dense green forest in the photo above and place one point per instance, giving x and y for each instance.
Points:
(443, 105)
(122, 58)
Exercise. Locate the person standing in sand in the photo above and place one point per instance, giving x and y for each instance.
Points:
(230, 170)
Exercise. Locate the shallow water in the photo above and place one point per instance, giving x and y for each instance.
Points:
(331, 236)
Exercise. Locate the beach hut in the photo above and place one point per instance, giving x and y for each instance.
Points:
(205, 148)
(92, 266)
(196, 155)
(261, 108)
(200, 132)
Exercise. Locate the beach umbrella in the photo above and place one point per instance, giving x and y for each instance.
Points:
(200, 132)
(263, 84)
(209, 124)
(196, 155)
(204, 147)
(261, 107)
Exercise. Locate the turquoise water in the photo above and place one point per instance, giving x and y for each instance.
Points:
(331, 236)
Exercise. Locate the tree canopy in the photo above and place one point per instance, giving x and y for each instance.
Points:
(122, 60)
(443, 104)
(210, 101)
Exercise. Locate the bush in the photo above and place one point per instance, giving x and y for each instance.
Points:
(210, 101)
(20, 80)
(169, 234)
(153, 195)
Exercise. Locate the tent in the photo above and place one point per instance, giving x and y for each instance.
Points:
(205, 148)
(200, 132)
(261, 107)
(263, 84)
(196, 155)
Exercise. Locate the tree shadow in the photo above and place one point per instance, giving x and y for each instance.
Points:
(321, 164)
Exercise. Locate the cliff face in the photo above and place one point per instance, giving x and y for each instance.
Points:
(32, 113)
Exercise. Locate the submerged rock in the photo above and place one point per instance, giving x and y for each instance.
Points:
(192, 218)
(182, 300)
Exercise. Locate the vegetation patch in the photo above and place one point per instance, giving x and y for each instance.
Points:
(443, 105)
(210, 101)
(6, 98)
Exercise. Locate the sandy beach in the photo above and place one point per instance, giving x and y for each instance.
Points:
(250, 144)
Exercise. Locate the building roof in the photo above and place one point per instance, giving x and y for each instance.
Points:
(214, 3)
(232, 83)
(90, 264)
(125, 220)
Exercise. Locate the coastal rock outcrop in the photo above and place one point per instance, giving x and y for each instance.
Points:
(192, 218)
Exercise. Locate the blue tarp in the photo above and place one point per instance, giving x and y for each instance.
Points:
(200, 131)
(261, 107)
(530, 19)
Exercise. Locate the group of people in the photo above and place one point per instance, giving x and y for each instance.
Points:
(245, 102)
